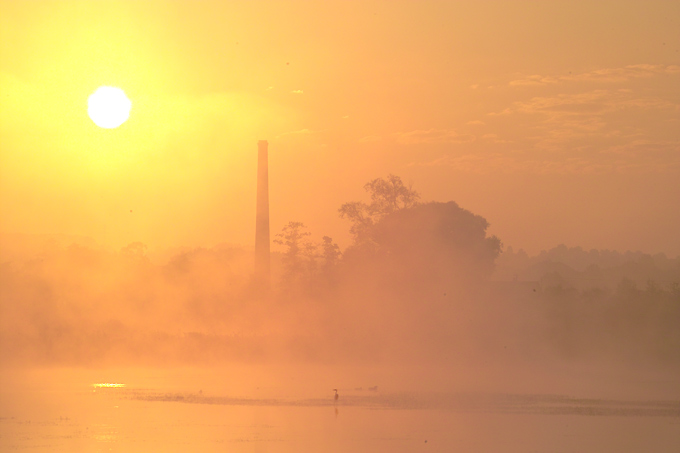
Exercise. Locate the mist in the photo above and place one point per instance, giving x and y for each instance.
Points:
(424, 310)
(339, 226)
(421, 283)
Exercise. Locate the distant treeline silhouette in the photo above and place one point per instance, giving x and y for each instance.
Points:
(421, 281)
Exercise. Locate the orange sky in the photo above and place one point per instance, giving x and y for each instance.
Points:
(557, 121)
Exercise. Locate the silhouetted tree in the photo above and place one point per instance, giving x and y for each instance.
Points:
(390, 195)
(134, 250)
(394, 234)
(308, 267)
(437, 239)
(421, 252)
(387, 196)
(331, 252)
(293, 237)
(300, 257)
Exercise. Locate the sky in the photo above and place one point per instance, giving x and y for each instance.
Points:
(559, 122)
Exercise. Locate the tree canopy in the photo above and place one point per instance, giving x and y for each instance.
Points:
(387, 196)
(397, 233)
(430, 240)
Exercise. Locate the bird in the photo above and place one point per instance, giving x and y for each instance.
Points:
(336, 394)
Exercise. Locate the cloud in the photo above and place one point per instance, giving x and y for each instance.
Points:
(596, 103)
(660, 154)
(590, 122)
(596, 132)
(421, 136)
(480, 163)
(506, 111)
(432, 136)
(370, 139)
(605, 75)
(297, 91)
(587, 108)
(625, 73)
(494, 138)
(629, 158)
(298, 132)
(533, 80)
(590, 102)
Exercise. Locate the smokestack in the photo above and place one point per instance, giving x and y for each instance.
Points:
(262, 219)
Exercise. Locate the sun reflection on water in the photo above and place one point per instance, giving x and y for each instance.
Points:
(107, 385)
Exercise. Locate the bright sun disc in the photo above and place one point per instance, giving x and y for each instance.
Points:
(108, 107)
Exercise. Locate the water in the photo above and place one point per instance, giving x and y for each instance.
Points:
(261, 409)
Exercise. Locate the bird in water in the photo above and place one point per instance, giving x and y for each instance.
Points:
(336, 394)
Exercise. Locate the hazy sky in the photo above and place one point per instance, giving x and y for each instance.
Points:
(558, 121)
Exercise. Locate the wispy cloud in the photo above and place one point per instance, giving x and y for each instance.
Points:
(480, 163)
(506, 111)
(493, 138)
(592, 120)
(297, 91)
(602, 130)
(298, 133)
(533, 80)
(605, 75)
(600, 121)
(626, 73)
(628, 159)
(370, 139)
(431, 136)
(590, 103)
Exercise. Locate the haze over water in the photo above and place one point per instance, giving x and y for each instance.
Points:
(473, 216)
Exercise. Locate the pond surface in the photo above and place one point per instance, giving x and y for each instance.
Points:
(256, 409)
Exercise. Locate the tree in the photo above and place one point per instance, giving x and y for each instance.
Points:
(426, 243)
(307, 265)
(330, 252)
(397, 233)
(387, 196)
(135, 250)
(436, 236)
(299, 250)
(390, 195)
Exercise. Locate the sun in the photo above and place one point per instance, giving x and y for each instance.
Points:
(108, 107)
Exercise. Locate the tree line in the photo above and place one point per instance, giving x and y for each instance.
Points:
(394, 235)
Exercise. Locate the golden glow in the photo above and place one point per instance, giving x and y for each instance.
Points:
(107, 385)
(209, 79)
(108, 107)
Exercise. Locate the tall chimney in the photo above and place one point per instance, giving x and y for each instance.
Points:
(262, 219)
